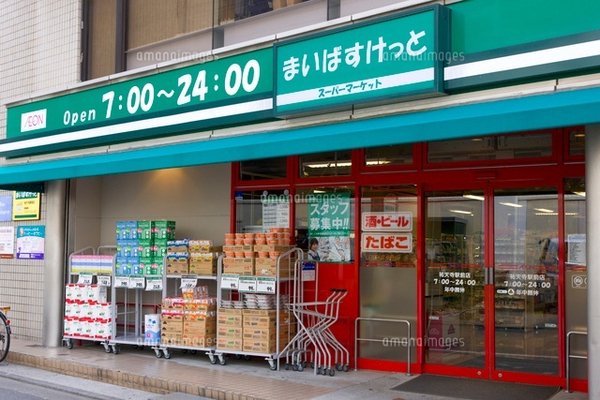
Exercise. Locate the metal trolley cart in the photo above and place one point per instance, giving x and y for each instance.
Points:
(243, 299)
(314, 339)
(127, 305)
(172, 285)
(87, 310)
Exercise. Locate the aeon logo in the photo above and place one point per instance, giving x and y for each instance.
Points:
(33, 120)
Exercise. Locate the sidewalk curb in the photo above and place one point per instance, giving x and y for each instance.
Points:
(125, 379)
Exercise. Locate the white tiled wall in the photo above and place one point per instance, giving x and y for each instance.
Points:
(39, 52)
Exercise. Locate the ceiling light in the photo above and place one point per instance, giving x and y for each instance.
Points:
(461, 212)
(511, 204)
(329, 165)
(474, 197)
(544, 210)
(378, 162)
(582, 194)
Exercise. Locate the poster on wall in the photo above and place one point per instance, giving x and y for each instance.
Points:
(276, 213)
(6, 208)
(26, 206)
(7, 242)
(30, 242)
(329, 227)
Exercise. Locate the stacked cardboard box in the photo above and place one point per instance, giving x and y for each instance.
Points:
(203, 257)
(257, 253)
(199, 322)
(178, 257)
(88, 315)
(229, 329)
(171, 320)
(141, 246)
(261, 330)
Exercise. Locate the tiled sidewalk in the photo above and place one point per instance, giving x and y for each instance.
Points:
(192, 374)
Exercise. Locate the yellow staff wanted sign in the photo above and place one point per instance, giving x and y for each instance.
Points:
(26, 206)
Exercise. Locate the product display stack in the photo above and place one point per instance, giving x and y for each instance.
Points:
(230, 329)
(171, 321)
(199, 318)
(261, 329)
(141, 246)
(87, 312)
(178, 257)
(203, 257)
(247, 321)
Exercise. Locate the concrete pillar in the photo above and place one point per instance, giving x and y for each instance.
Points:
(54, 263)
(592, 189)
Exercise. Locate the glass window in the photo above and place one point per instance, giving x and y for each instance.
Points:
(334, 163)
(157, 20)
(577, 141)
(576, 271)
(389, 155)
(389, 214)
(272, 168)
(531, 145)
(325, 223)
(526, 277)
(260, 210)
(234, 10)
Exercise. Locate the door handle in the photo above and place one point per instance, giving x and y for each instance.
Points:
(489, 276)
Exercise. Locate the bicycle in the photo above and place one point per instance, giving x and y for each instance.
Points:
(4, 333)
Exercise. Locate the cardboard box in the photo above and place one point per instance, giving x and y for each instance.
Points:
(170, 339)
(262, 346)
(229, 320)
(277, 4)
(173, 327)
(201, 305)
(230, 344)
(268, 267)
(145, 229)
(230, 332)
(260, 333)
(177, 265)
(253, 314)
(259, 322)
(200, 246)
(198, 341)
(230, 311)
(178, 246)
(272, 248)
(241, 266)
(203, 263)
(164, 229)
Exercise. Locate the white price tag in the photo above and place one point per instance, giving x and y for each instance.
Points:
(137, 282)
(266, 285)
(104, 280)
(85, 279)
(188, 282)
(230, 281)
(122, 281)
(154, 284)
(247, 284)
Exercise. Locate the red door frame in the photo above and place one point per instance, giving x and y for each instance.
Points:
(511, 174)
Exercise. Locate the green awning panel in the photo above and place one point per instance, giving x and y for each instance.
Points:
(559, 109)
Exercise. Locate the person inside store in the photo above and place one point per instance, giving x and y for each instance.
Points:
(313, 249)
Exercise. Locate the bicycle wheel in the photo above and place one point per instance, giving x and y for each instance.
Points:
(4, 337)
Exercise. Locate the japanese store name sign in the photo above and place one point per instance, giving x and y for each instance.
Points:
(220, 91)
(401, 55)
(395, 224)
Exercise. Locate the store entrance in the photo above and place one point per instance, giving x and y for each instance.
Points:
(491, 289)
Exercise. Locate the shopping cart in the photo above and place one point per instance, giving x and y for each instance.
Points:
(314, 337)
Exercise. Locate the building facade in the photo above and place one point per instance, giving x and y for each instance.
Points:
(458, 137)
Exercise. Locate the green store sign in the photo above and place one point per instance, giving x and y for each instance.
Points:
(400, 55)
(229, 90)
(389, 57)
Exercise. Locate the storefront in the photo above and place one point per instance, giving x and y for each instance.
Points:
(461, 199)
